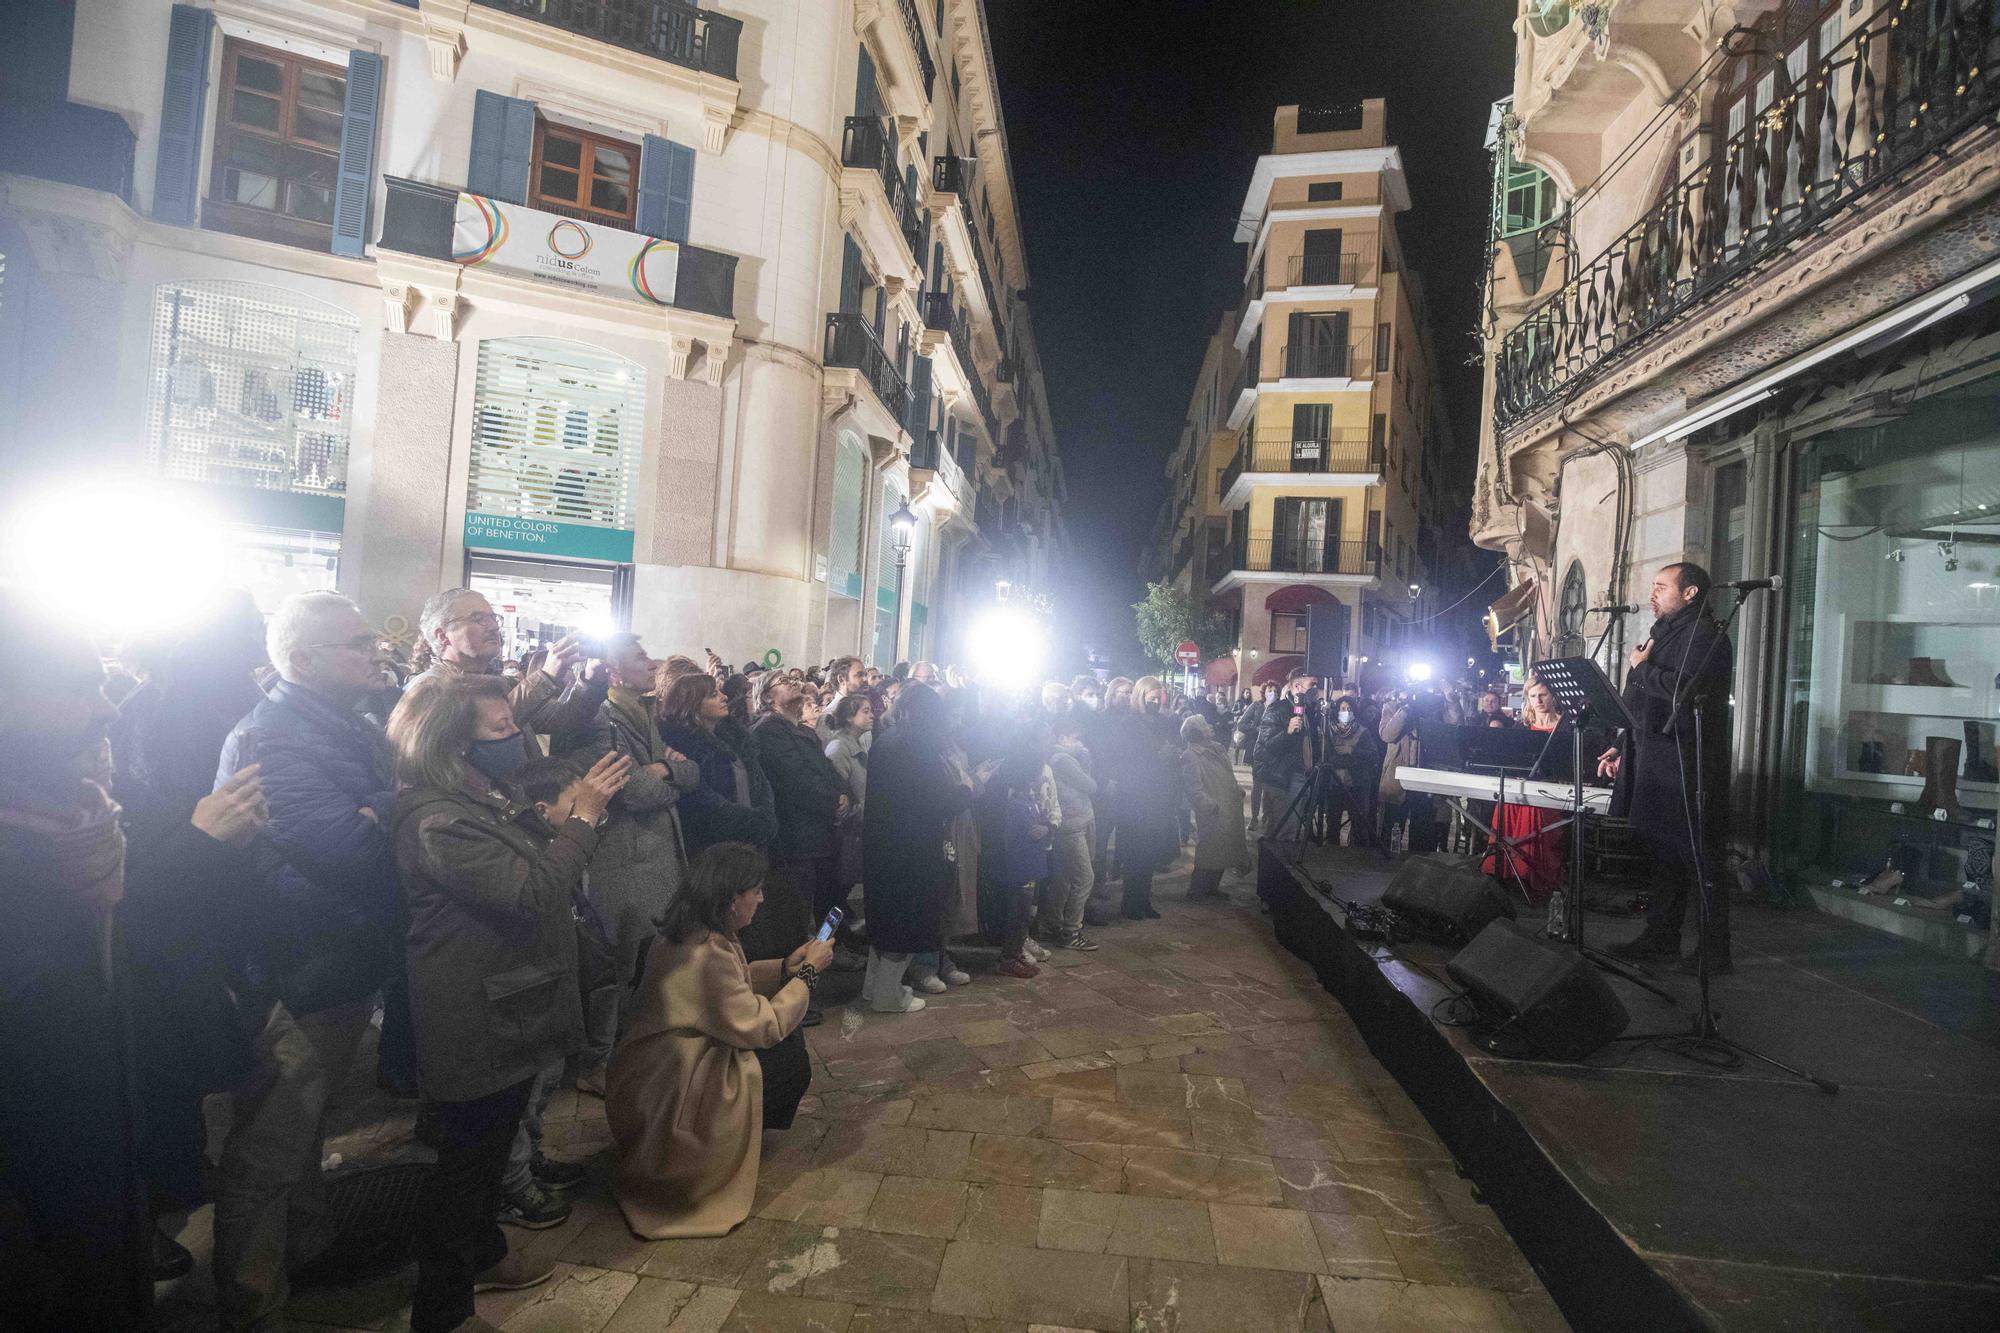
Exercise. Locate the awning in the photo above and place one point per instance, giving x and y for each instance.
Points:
(1297, 597)
(1509, 609)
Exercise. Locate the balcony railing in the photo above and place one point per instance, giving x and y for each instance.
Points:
(852, 344)
(1884, 100)
(1341, 270)
(418, 217)
(914, 26)
(951, 175)
(68, 142)
(1280, 450)
(667, 30)
(1262, 553)
(867, 143)
(1325, 360)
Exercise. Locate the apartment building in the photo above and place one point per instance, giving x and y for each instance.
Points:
(1740, 312)
(1309, 471)
(701, 320)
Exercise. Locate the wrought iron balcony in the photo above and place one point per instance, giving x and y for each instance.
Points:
(1326, 360)
(1280, 450)
(914, 26)
(851, 343)
(951, 175)
(1263, 553)
(1881, 102)
(1338, 270)
(868, 143)
(417, 220)
(669, 30)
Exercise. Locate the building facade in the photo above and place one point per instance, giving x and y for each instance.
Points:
(1310, 468)
(1740, 313)
(632, 312)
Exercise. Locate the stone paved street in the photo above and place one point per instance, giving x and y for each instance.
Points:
(1180, 1131)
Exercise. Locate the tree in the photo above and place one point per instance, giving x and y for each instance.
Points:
(1168, 617)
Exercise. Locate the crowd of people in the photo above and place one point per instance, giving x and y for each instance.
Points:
(252, 843)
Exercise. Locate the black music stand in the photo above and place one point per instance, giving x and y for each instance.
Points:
(1587, 698)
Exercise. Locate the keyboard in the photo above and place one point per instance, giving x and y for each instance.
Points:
(1486, 787)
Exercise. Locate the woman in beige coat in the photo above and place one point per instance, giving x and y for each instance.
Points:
(711, 1037)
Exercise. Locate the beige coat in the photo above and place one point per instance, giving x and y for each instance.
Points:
(685, 1094)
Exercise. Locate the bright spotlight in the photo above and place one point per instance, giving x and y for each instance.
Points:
(1418, 672)
(116, 559)
(1006, 647)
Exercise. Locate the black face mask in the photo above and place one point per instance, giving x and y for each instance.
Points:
(1151, 705)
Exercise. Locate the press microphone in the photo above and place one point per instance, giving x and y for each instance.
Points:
(1613, 610)
(1775, 583)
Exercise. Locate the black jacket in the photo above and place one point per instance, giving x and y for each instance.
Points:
(711, 813)
(1279, 757)
(913, 796)
(1691, 661)
(805, 785)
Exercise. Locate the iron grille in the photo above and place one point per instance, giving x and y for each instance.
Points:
(556, 432)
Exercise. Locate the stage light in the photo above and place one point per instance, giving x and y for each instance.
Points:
(116, 559)
(1418, 672)
(1006, 647)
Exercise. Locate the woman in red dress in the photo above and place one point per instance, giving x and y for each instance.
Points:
(1534, 863)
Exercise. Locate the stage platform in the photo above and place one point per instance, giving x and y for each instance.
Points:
(1653, 1193)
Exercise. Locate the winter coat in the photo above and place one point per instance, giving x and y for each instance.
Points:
(1074, 785)
(492, 944)
(805, 784)
(1690, 656)
(331, 912)
(641, 860)
(1020, 855)
(720, 808)
(910, 888)
(1281, 755)
(1218, 808)
(1140, 759)
(1247, 719)
(849, 754)
(1402, 748)
(685, 1093)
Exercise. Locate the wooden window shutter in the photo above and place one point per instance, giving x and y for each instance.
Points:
(503, 147)
(175, 184)
(356, 182)
(666, 189)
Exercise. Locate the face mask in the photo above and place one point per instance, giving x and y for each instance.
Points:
(1151, 705)
(1346, 716)
(498, 759)
(1270, 696)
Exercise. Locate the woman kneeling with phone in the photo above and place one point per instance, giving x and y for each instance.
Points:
(712, 1058)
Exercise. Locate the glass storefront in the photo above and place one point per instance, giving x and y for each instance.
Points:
(1892, 686)
(539, 601)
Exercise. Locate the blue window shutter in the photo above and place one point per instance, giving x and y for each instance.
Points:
(503, 147)
(850, 276)
(357, 153)
(920, 407)
(175, 188)
(680, 192)
(650, 217)
(866, 100)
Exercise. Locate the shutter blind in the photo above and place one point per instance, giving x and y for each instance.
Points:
(680, 192)
(843, 557)
(650, 216)
(357, 153)
(503, 147)
(556, 432)
(923, 452)
(867, 102)
(174, 185)
(850, 276)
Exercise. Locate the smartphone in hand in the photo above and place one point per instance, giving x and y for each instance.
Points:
(831, 924)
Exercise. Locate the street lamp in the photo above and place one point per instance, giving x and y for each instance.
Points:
(902, 525)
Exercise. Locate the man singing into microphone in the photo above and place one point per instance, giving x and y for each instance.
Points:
(1687, 661)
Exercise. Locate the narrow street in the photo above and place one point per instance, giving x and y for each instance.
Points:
(1180, 1131)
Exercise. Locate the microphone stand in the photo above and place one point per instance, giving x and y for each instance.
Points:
(1706, 1030)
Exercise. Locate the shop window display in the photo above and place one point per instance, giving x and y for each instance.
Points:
(1893, 689)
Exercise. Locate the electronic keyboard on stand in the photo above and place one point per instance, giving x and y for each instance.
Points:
(1517, 791)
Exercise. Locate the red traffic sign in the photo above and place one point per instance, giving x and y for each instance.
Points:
(1189, 653)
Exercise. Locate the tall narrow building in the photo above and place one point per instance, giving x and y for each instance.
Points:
(1309, 470)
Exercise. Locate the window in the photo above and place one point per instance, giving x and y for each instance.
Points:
(556, 431)
(583, 175)
(1382, 349)
(1530, 200)
(277, 146)
(1371, 535)
(1288, 631)
(1378, 428)
(251, 386)
(1322, 192)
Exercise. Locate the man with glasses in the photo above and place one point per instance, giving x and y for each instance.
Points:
(331, 932)
(464, 637)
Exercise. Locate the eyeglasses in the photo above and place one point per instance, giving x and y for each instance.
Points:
(361, 644)
(486, 618)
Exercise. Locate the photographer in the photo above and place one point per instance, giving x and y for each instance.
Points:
(462, 635)
(1286, 740)
(1403, 724)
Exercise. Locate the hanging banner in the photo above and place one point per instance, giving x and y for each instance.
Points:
(583, 256)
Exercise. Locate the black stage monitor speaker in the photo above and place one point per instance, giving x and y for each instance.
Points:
(1446, 896)
(1326, 640)
(1557, 1000)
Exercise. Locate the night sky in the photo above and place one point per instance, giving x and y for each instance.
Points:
(1133, 129)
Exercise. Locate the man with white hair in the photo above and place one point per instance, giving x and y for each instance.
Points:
(331, 932)
(463, 634)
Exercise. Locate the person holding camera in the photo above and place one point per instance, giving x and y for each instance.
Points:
(714, 1056)
(1287, 742)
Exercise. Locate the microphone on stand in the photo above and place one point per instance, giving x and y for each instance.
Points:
(1612, 610)
(1775, 583)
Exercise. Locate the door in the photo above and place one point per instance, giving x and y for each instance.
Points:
(1312, 431)
(1303, 532)
(1319, 262)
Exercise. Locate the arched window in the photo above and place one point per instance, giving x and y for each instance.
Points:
(251, 386)
(1572, 605)
(556, 432)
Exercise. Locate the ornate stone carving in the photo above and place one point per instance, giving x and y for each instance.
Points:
(444, 40)
(397, 298)
(679, 348)
(714, 360)
(441, 310)
(716, 118)
(62, 243)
